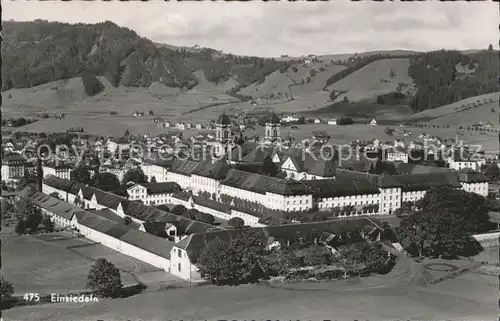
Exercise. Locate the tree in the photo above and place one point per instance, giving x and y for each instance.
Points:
(239, 261)
(80, 174)
(104, 278)
(346, 99)
(153, 179)
(48, 225)
(106, 181)
(20, 227)
(179, 210)
(490, 47)
(236, 222)
(268, 167)
(392, 74)
(492, 171)
(469, 207)
(318, 255)
(127, 133)
(135, 175)
(127, 220)
(433, 233)
(6, 292)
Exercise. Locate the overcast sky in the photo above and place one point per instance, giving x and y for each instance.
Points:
(293, 28)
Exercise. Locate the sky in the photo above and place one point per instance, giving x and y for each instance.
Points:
(272, 29)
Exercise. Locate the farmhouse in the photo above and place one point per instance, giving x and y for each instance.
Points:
(373, 122)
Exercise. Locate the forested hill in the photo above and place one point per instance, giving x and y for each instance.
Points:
(38, 52)
(444, 77)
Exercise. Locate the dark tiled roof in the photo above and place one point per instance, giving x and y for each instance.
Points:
(261, 184)
(259, 154)
(211, 204)
(216, 170)
(71, 187)
(161, 188)
(184, 167)
(239, 152)
(314, 165)
(148, 242)
(53, 204)
(166, 163)
(110, 215)
(419, 181)
(472, 177)
(145, 241)
(195, 243)
(152, 214)
(342, 187)
(409, 168)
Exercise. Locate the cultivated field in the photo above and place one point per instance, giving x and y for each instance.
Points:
(42, 264)
(373, 80)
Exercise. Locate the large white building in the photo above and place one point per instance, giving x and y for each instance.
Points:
(153, 193)
(61, 171)
(12, 167)
(156, 168)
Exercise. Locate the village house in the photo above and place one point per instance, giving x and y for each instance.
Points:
(397, 154)
(332, 121)
(118, 144)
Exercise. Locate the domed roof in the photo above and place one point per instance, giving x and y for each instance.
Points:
(224, 119)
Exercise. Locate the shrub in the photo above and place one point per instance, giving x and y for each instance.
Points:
(6, 291)
(104, 278)
(236, 222)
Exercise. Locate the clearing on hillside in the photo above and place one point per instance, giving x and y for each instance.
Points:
(209, 87)
(279, 84)
(375, 79)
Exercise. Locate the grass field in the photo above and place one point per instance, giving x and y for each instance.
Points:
(280, 82)
(34, 266)
(462, 112)
(469, 297)
(373, 80)
(43, 265)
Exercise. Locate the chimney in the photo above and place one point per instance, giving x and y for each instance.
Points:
(39, 174)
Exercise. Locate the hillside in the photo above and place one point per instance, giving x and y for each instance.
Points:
(467, 111)
(377, 78)
(443, 77)
(39, 52)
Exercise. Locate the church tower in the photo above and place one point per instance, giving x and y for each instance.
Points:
(273, 129)
(223, 135)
